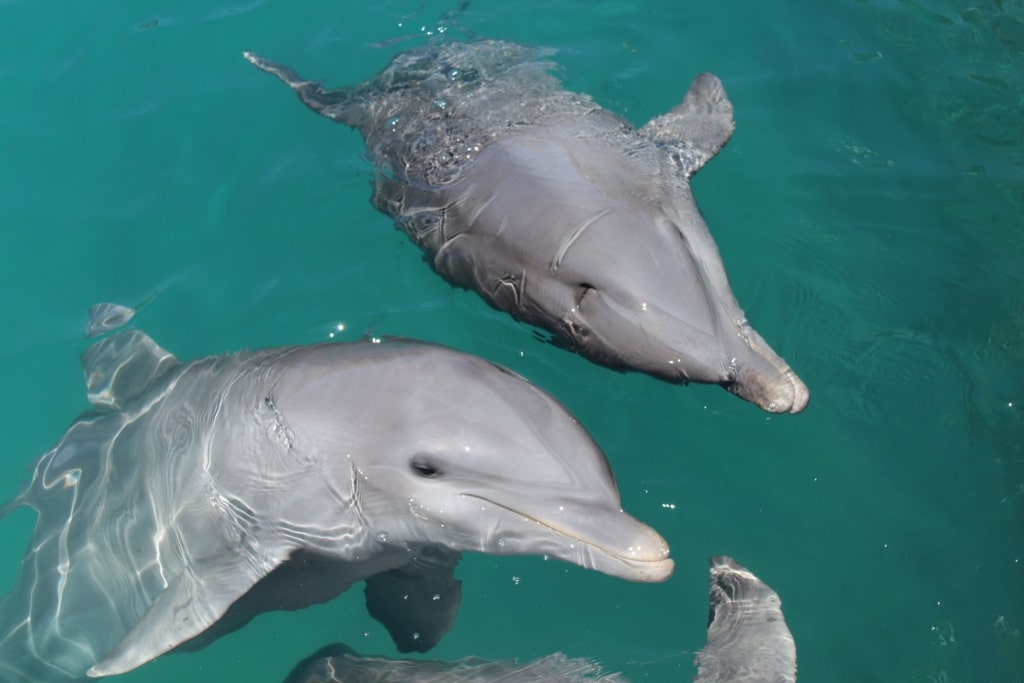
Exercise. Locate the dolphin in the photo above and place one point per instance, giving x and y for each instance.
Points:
(560, 212)
(747, 642)
(195, 495)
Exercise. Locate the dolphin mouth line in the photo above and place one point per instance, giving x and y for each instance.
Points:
(617, 554)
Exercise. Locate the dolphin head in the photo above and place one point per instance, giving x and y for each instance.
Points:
(662, 305)
(442, 448)
(615, 258)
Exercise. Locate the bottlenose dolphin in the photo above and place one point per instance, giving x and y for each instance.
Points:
(748, 641)
(193, 496)
(560, 212)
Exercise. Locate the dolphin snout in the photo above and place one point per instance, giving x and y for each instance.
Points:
(591, 534)
(765, 379)
(646, 557)
(617, 544)
(784, 393)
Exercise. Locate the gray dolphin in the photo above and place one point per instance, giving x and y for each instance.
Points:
(196, 495)
(748, 642)
(559, 212)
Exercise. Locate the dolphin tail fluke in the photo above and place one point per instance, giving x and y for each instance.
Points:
(338, 105)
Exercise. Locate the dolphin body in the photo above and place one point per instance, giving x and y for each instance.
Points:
(560, 212)
(193, 496)
(748, 642)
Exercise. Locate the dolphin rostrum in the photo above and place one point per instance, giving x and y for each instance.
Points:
(747, 642)
(560, 212)
(193, 496)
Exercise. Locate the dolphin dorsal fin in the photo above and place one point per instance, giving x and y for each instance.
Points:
(120, 368)
(698, 127)
(106, 317)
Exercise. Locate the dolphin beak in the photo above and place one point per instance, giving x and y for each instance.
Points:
(595, 537)
(766, 379)
(784, 394)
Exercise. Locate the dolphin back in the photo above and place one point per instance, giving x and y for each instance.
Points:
(427, 114)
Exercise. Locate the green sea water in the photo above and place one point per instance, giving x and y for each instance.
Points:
(869, 210)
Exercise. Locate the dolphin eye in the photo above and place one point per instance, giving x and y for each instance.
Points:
(423, 466)
(582, 290)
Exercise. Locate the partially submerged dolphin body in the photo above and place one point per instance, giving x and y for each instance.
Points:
(196, 495)
(560, 212)
(748, 641)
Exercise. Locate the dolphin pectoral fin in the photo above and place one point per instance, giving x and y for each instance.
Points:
(470, 261)
(457, 262)
(417, 602)
(122, 367)
(747, 634)
(697, 128)
(189, 605)
(338, 105)
(388, 195)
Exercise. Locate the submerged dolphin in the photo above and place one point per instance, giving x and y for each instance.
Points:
(748, 641)
(194, 496)
(559, 212)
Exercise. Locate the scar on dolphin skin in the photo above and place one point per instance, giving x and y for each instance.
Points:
(492, 168)
(747, 640)
(193, 496)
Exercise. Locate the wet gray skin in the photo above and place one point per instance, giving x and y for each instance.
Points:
(748, 642)
(559, 212)
(196, 495)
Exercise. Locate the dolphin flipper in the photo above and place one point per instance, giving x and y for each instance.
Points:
(190, 604)
(698, 127)
(338, 105)
(748, 639)
(417, 602)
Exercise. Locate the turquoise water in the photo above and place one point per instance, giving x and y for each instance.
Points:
(868, 209)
